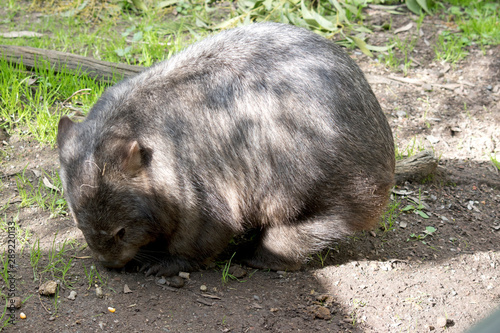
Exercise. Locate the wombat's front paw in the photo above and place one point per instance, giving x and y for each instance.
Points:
(168, 267)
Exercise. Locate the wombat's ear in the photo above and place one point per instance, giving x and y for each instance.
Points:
(64, 130)
(132, 162)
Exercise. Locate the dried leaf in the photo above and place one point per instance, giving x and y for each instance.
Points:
(404, 28)
(362, 45)
(48, 184)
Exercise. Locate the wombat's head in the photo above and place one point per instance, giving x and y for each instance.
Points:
(106, 186)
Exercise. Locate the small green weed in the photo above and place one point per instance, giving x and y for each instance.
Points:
(420, 237)
(93, 276)
(390, 216)
(322, 258)
(4, 318)
(4, 268)
(478, 20)
(225, 271)
(398, 56)
(35, 256)
(47, 194)
(22, 235)
(58, 263)
(411, 149)
(451, 47)
(416, 208)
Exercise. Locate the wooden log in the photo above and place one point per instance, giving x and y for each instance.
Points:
(416, 167)
(100, 70)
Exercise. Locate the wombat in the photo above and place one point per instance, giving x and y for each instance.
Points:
(266, 127)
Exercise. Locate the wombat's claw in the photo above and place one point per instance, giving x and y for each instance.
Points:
(144, 267)
(151, 270)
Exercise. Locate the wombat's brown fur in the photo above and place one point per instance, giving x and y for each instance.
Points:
(266, 127)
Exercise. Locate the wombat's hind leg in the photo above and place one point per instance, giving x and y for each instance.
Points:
(286, 247)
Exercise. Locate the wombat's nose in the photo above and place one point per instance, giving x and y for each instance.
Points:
(111, 264)
(107, 263)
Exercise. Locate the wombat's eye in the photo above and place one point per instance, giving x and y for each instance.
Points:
(120, 233)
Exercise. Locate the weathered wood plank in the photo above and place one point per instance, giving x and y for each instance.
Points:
(100, 70)
(416, 167)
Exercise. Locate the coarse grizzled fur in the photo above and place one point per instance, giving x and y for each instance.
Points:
(267, 127)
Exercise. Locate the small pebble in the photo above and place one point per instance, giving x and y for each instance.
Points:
(98, 292)
(432, 139)
(203, 287)
(322, 312)
(441, 322)
(48, 288)
(184, 275)
(126, 289)
(401, 114)
(16, 301)
(237, 272)
(72, 295)
(176, 282)
(427, 87)
(161, 281)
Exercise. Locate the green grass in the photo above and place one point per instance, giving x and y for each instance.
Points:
(93, 276)
(391, 214)
(35, 256)
(322, 257)
(4, 318)
(225, 270)
(55, 264)
(4, 268)
(411, 149)
(59, 261)
(45, 193)
(22, 234)
(477, 22)
(31, 102)
(398, 56)
(451, 47)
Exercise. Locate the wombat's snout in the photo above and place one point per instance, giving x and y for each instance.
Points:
(111, 264)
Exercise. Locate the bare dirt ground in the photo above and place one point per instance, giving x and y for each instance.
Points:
(379, 281)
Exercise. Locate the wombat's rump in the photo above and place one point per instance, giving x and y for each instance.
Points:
(267, 127)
